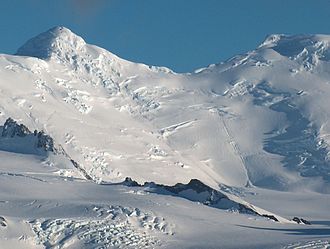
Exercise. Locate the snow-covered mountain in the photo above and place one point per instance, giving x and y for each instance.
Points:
(100, 151)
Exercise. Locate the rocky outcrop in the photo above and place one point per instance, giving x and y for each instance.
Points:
(11, 129)
(3, 222)
(199, 192)
(45, 142)
(41, 141)
(301, 221)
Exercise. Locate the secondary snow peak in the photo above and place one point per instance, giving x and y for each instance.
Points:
(310, 47)
(57, 41)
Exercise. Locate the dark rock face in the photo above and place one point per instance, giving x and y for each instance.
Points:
(3, 222)
(210, 197)
(197, 191)
(194, 184)
(130, 182)
(78, 167)
(272, 217)
(45, 142)
(301, 221)
(39, 142)
(11, 129)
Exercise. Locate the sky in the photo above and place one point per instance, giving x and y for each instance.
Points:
(183, 35)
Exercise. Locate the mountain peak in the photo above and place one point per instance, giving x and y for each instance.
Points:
(56, 41)
(303, 39)
(302, 47)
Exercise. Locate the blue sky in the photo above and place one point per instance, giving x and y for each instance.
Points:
(180, 34)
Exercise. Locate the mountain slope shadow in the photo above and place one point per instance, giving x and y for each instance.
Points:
(298, 143)
(295, 231)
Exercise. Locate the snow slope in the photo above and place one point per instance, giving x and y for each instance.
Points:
(252, 130)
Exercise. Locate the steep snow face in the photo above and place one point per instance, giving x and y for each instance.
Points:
(225, 125)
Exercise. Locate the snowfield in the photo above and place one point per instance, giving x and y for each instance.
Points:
(99, 152)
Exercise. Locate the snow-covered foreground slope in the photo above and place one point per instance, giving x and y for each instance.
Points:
(42, 210)
(100, 152)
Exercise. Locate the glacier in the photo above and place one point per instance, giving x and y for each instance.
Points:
(101, 152)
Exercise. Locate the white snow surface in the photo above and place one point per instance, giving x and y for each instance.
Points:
(255, 128)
